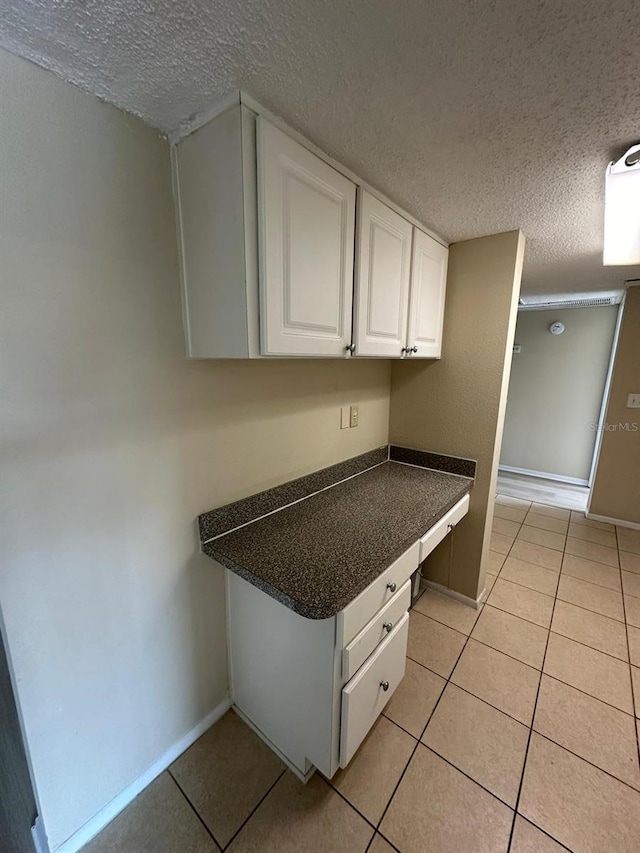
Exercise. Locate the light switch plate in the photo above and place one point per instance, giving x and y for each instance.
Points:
(345, 417)
(633, 401)
(354, 416)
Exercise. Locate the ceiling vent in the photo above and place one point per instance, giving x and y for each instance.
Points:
(546, 302)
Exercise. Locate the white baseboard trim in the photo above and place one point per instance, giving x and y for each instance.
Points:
(543, 475)
(98, 822)
(632, 525)
(39, 836)
(445, 590)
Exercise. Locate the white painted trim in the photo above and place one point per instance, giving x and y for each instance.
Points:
(605, 394)
(458, 596)
(236, 97)
(544, 475)
(39, 836)
(197, 120)
(302, 776)
(632, 525)
(113, 808)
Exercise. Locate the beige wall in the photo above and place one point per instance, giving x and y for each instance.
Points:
(112, 443)
(456, 405)
(616, 488)
(555, 391)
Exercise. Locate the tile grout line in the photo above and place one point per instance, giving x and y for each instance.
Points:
(253, 811)
(533, 716)
(193, 809)
(419, 740)
(516, 720)
(626, 631)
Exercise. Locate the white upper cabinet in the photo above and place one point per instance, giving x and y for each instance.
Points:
(306, 220)
(427, 294)
(382, 279)
(268, 240)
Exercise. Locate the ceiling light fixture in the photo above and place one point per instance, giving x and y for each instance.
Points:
(622, 210)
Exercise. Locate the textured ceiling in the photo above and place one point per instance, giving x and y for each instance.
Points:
(476, 116)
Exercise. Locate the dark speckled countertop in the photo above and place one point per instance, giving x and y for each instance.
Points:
(317, 555)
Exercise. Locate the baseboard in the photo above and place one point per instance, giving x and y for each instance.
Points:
(445, 590)
(632, 525)
(544, 475)
(98, 822)
(39, 836)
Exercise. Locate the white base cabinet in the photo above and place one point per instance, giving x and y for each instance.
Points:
(312, 689)
(295, 683)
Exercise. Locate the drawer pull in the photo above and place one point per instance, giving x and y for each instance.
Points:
(388, 626)
(384, 685)
(391, 587)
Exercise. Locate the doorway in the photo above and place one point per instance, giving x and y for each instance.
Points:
(559, 377)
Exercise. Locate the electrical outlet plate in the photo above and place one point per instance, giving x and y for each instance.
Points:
(345, 417)
(354, 416)
(633, 401)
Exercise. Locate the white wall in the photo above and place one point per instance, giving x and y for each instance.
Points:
(556, 388)
(112, 443)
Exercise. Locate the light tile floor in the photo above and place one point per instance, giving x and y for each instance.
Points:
(514, 728)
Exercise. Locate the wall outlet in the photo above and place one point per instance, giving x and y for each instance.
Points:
(354, 416)
(345, 417)
(633, 402)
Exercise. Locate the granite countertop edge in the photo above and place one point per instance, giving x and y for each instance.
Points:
(317, 613)
(297, 574)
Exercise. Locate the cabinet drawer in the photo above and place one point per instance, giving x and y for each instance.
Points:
(363, 698)
(440, 529)
(355, 616)
(382, 624)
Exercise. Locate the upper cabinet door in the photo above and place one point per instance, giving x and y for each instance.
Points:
(306, 222)
(428, 287)
(382, 279)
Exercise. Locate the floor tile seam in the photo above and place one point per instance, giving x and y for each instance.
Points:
(446, 624)
(542, 735)
(588, 609)
(467, 775)
(630, 594)
(593, 583)
(349, 803)
(531, 588)
(550, 547)
(533, 716)
(590, 695)
(506, 654)
(194, 810)
(626, 551)
(587, 646)
(634, 701)
(415, 749)
(548, 529)
(543, 831)
(534, 565)
(590, 763)
(433, 619)
(524, 619)
(253, 811)
(593, 559)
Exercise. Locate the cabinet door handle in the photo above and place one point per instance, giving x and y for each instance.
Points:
(350, 347)
(413, 349)
(391, 587)
(388, 627)
(384, 685)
